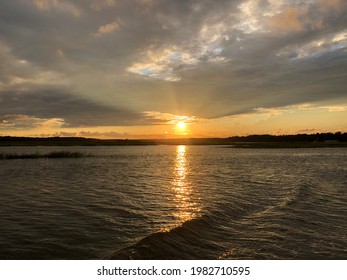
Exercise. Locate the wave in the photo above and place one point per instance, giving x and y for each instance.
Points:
(204, 237)
(191, 240)
(250, 230)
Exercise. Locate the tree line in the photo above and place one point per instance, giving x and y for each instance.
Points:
(316, 137)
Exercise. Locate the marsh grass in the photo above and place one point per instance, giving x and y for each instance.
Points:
(60, 154)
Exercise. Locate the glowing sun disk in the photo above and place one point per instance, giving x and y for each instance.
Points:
(181, 125)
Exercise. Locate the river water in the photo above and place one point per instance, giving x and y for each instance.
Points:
(174, 202)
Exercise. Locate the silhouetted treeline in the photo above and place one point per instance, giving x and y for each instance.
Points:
(317, 137)
(80, 141)
(68, 141)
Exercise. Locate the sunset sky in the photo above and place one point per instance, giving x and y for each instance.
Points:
(172, 68)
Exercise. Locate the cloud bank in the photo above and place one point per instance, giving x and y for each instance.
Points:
(108, 63)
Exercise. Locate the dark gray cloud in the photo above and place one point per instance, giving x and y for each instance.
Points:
(197, 57)
(73, 110)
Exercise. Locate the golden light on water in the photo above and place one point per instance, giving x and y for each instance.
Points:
(186, 208)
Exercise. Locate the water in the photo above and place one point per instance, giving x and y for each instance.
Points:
(174, 202)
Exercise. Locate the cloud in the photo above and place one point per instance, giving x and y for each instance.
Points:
(287, 20)
(44, 4)
(63, 6)
(21, 73)
(146, 2)
(99, 5)
(335, 108)
(167, 118)
(25, 122)
(108, 28)
(109, 134)
(335, 4)
(206, 59)
(53, 107)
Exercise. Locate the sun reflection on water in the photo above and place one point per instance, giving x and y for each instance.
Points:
(187, 208)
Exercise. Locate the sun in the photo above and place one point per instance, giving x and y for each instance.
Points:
(181, 126)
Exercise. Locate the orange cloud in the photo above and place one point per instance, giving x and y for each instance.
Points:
(336, 4)
(286, 21)
(42, 4)
(108, 28)
(46, 5)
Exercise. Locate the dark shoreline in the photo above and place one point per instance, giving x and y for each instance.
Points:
(61, 154)
(69, 141)
(287, 145)
(319, 140)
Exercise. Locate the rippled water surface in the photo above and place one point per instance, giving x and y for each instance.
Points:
(174, 202)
